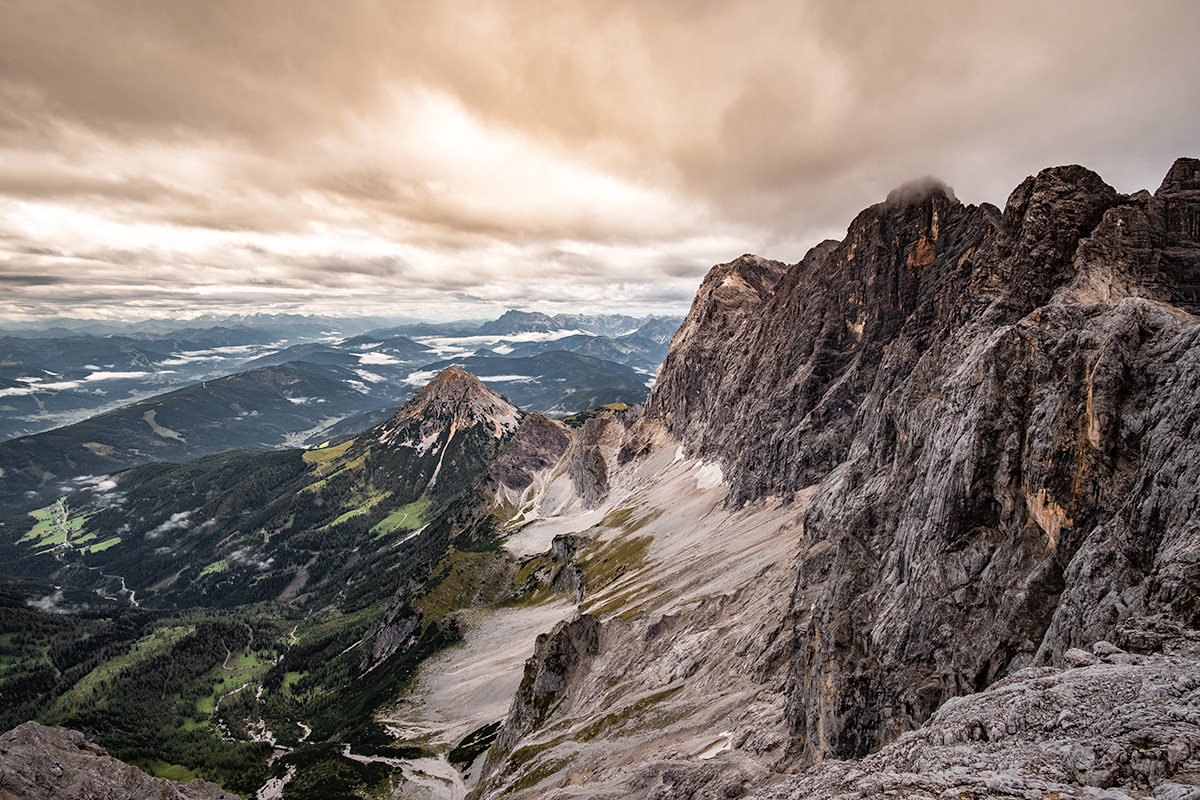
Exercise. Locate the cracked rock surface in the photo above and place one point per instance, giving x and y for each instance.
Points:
(38, 762)
(1116, 725)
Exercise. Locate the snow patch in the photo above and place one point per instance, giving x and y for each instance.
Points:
(722, 745)
(709, 476)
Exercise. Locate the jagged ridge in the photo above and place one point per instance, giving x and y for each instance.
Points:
(999, 408)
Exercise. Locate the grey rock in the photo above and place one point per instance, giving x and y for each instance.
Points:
(39, 762)
(537, 445)
(586, 463)
(1096, 731)
(1079, 658)
(1000, 410)
(557, 657)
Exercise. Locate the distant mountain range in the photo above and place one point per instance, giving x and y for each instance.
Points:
(129, 401)
(56, 377)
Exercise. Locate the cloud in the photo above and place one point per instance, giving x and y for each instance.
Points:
(114, 376)
(420, 378)
(376, 358)
(176, 522)
(245, 556)
(422, 156)
(370, 377)
(53, 604)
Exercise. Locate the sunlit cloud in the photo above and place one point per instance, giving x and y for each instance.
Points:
(436, 160)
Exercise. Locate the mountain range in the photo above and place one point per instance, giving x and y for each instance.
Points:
(910, 517)
(56, 377)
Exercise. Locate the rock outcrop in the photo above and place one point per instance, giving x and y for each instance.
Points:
(1113, 724)
(557, 658)
(538, 445)
(1000, 410)
(40, 763)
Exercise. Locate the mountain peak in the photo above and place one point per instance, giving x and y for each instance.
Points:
(513, 321)
(451, 378)
(454, 398)
(917, 191)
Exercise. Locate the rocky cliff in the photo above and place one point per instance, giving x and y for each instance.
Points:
(39, 762)
(1000, 411)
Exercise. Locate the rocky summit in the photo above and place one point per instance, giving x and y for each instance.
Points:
(41, 762)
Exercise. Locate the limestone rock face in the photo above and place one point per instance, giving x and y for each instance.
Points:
(556, 659)
(1114, 725)
(1000, 409)
(538, 445)
(39, 762)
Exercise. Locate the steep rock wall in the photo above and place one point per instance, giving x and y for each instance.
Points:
(1000, 408)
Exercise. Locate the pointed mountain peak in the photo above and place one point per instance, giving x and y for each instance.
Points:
(451, 379)
(454, 398)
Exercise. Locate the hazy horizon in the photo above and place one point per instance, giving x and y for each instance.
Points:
(356, 322)
(416, 159)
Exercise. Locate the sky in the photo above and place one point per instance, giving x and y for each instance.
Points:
(453, 159)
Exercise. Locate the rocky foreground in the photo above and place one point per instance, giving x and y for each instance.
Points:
(1113, 725)
(39, 762)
